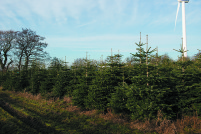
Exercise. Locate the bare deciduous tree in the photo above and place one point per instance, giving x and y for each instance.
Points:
(7, 41)
(29, 46)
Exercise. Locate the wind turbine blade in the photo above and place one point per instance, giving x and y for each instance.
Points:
(177, 14)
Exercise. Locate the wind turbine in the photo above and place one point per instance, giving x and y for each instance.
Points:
(183, 23)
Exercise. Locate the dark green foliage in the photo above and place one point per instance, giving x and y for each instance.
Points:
(38, 76)
(98, 97)
(83, 78)
(7, 81)
(1, 78)
(49, 81)
(62, 82)
(142, 102)
(80, 95)
(119, 99)
(170, 87)
(24, 79)
(103, 85)
(47, 85)
(72, 83)
(16, 81)
(140, 88)
(140, 55)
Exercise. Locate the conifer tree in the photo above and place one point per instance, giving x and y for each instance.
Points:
(107, 78)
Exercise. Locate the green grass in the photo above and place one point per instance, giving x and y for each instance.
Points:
(11, 125)
(23, 115)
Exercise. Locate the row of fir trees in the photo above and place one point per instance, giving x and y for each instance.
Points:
(139, 88)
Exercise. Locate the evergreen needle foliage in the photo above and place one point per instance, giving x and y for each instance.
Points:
(139, 88)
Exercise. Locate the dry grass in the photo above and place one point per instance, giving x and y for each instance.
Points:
(89, 113)
(189, 124)
(28, 95)
(72, 108)
(67, 99)
(164, 127)
(115, 118)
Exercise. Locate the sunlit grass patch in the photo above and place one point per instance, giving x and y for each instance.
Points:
(4, 115)
(65, 117)
(62, 115)
(12, 125)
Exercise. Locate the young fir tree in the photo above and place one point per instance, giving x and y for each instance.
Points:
(107, 78)
(62, 83)
(141, 94)
(84, 76)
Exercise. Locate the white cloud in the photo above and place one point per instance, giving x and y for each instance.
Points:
(46, 10)
(95, 38)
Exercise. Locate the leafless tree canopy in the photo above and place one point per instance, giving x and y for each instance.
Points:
(25, 45)
(7, 42)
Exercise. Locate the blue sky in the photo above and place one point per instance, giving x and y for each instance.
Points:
(74, 27)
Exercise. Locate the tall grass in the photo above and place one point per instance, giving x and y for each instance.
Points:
(186, 125)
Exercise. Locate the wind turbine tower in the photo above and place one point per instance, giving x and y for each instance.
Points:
(183, 24)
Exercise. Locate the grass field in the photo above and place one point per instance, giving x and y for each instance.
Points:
(24, 113)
